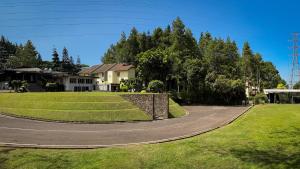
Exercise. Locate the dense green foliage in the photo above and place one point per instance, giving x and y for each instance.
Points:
(156, 86)
(26, 56)
(7, 49)
(210, 71)
(260, 98)
(297, 85)
(19, 86)
(64, 106)
(268, 136)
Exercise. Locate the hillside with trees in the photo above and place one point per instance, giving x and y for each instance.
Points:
(14, 55)
(209, 71)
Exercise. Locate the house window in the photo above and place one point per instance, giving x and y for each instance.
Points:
(72, 80)
(88, 81)
(80, 81)
(118, 74)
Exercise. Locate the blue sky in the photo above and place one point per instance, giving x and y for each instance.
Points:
(88, 27)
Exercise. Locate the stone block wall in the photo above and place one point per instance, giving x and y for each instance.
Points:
(155, 105)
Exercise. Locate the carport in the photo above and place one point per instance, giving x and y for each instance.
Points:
(283, 95)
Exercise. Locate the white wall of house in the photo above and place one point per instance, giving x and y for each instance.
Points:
(112, 77)
(131, 73)
(116, 76)
(79, 83)
(104, 80)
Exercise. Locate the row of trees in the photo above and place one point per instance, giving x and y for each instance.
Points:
(25, 55)
(66, 63)
(210, 70)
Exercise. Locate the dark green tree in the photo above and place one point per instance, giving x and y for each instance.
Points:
(7, 49)
(110, 55)
(65, 56)
(78, 62)
(55, 60)
(297, 85)
(153, 65)
(247, 61)
(132, 46)
(71, 60)
(142, 40)
(26, 56)
(66, 62)
(157, 38)
(205, 39)
(269, 76)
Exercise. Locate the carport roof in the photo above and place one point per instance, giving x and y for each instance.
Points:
(267, 91)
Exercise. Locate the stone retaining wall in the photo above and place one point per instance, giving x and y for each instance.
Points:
(155, 105)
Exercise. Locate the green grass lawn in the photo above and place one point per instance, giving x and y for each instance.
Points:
(268, 136)
(72, 106)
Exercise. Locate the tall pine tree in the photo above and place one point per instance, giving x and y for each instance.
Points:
(55, 60)
(247, 58)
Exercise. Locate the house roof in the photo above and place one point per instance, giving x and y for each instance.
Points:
(30, 70)
(104, 68)
(267, 91)
(121, 67)
(90, 70)
(35, 70)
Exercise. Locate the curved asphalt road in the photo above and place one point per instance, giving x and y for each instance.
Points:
(17, 132)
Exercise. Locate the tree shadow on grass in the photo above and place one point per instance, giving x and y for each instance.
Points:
(280, 154)
(50, 161)
(4, 156)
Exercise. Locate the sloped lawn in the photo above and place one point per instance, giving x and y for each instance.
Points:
(268, 136)
(71, 106)
(175, 110)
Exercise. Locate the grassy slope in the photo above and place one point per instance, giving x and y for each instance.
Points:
(175, 110)
(91, 107)
(266, 137)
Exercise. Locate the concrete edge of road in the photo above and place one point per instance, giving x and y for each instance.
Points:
(225, 123)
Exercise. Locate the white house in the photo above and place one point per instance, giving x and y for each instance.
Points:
(109, 76)
(79, 83)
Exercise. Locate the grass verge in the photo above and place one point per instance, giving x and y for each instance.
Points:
(268, 136)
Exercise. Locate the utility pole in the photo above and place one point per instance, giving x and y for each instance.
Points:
(295, 72)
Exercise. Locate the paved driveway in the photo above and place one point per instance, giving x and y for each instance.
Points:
(19, 132)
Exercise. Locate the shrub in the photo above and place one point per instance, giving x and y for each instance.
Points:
(19, 86)
(54, 87)
(132, 84)
(260, 98)
(123, 87)
(16, 84)
(51, 87)
(281, 86)
(156, 86)
(24, 86)
(143, 91)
